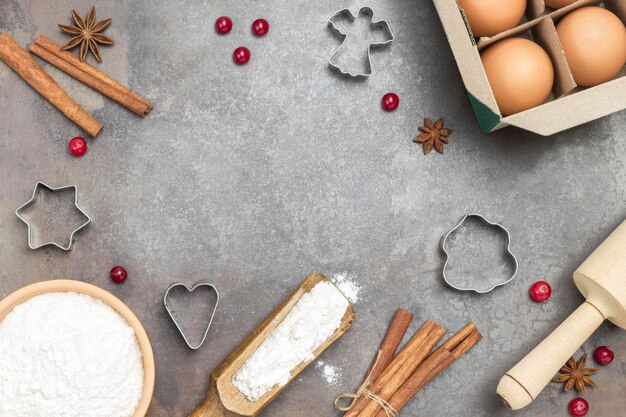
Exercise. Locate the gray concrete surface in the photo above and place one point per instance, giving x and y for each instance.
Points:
(254, 176)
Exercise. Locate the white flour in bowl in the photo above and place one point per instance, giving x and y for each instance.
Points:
(66, 354)
(312, 321)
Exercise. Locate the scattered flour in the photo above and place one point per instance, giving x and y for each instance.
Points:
(314, 318)
(346, 284)
(330, 373)
(68, 355)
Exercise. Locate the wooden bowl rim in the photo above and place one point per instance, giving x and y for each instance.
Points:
(65, 285)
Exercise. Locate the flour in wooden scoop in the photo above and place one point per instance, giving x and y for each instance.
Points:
(311, 322)
(66, 354)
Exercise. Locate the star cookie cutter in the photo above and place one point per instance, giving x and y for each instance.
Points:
(32, 201)
(352, 39)
(191, 289)
(508, 253)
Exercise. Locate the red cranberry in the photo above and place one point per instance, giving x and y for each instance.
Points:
(603, 355)
(77, 146)
(578, 407)
(390, 101)
(118, 274)
(540, 291)
(223, 25)
(260, 27)
(241, 55)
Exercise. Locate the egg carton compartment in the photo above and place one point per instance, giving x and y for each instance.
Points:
(539, 8)
(618, 7)
(535, 17)
(534, 10)
(568, 105)
(543, 32)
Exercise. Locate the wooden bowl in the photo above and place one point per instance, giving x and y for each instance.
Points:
(62, 285)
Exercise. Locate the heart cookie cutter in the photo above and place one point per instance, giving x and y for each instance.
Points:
(508, 253)
(190, 290)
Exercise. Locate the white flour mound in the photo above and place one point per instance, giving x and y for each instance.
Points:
(68, 355)
(311, 322)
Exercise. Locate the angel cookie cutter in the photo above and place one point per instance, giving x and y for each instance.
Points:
(507, 252)
(353, 55)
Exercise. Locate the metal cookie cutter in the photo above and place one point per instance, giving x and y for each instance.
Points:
(344, 59)
(32, 201)
(170, 311)
(444, 239)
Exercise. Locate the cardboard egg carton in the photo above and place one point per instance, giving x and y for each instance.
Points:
(567, 106)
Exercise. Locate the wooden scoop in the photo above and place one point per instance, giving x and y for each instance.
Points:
(602, 280)
(224, 399)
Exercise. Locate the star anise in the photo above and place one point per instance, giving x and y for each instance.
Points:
(87, 34)
(433, 135)
(574, 374)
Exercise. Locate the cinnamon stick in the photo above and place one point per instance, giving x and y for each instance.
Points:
(26, 67)
(459, 337)
(69, 63)
(389, 346)
(385, 388)
(398, 362)
(436, 363)
(467, 344)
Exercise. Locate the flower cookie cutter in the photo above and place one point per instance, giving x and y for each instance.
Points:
(32, 201)
(191, 289)
(508, 253)
(340, 59)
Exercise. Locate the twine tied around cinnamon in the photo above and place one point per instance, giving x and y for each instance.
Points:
(363, 391)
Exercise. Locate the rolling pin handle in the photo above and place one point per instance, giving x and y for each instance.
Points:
(521, 385)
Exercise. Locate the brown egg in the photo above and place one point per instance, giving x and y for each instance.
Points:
(557, 4)
(489, 17)
(520, 73)
(594, 42)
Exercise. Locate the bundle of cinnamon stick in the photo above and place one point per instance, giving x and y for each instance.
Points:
(393, 380)
(26, 67)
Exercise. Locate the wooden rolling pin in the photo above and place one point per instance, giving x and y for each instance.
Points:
(602, 280)
(223, 398)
